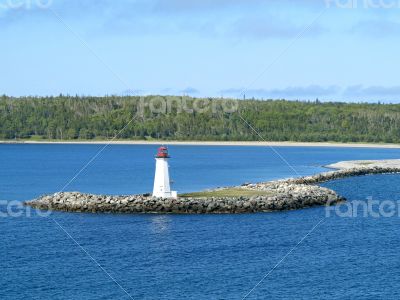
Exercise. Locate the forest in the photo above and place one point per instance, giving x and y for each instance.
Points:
(202, 119)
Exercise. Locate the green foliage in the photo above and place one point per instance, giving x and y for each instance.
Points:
(135, 118)
(228, 192)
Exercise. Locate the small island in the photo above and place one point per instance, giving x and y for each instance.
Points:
(279, 195)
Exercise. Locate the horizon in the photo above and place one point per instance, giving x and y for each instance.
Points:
(268, 49)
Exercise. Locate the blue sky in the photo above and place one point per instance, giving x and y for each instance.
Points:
(295, 49)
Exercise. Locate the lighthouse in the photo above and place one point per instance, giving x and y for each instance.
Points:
(162, 187)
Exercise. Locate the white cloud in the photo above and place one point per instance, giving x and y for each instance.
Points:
(356, 93)
(312, 91)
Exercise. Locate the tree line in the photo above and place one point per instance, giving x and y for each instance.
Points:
(183, 118)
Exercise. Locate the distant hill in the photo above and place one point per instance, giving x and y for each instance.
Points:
(182, 118)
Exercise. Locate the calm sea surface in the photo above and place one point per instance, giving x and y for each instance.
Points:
(191, 256)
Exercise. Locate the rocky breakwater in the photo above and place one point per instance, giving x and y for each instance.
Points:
(287, 194)
(276, 198)
(342, 170)
(350, 169)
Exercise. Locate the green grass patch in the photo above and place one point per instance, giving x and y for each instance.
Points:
(365, 163)
(230, 192)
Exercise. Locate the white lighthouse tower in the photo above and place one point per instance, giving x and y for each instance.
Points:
(162, 187)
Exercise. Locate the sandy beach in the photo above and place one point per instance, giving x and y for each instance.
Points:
(212, 143)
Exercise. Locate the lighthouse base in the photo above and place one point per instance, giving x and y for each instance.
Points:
(170, 195)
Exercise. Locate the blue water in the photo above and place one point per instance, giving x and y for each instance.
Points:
(187, 256)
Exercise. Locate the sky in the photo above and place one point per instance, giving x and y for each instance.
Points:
(336, 50)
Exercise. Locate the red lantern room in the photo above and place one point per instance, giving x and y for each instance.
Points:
(162, 152)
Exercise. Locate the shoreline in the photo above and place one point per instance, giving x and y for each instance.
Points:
(208, 143)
